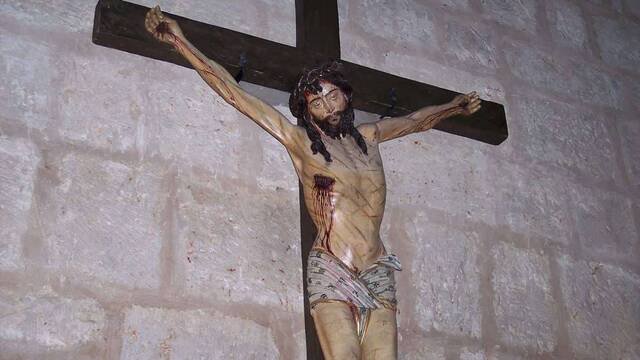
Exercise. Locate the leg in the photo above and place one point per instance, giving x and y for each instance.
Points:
(337, 331)
(381, 338)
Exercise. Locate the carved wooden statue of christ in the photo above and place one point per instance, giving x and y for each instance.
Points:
(350, 280)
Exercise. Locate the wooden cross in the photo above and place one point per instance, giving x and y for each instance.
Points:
(120, 25)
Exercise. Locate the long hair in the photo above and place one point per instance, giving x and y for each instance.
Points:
(310, 83)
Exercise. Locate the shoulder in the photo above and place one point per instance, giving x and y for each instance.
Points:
(298, 140)
(369, 131)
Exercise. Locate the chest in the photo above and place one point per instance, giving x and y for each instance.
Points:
(349, 163)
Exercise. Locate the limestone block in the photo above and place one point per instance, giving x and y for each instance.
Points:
(568, 27)
(619, 42)
(378, 24)
(425, 349)
(192, 126)
(570, 77)
(101, 103)
(634, 93)
(44, 319)
(454, 4)
(439, 171)
(566, 137)
(505, 356)
(520, 15)
(633, 6)
(603, 307)
(604, 222)
(26, 87)
(467, 354)
(274, 169)
(597, 2)
(630, 143)
(420, 69)
(63, 15)
(19, 160)
(268, 19)
(238, 243)
(523, 302)
(446, 274)
(417, 67)
(153, 333)
(617, 5)
(471, 43)
(102, 220)
(300, 340)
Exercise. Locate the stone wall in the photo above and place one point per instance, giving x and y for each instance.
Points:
(141, 217)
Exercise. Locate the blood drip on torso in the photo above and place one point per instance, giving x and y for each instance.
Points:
(322, 193)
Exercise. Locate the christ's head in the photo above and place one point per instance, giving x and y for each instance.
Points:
(327, 105)
(322, 102)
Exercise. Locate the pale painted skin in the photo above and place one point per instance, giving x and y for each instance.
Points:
(357, 197)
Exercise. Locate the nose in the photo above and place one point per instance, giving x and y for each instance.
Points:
(328, 106)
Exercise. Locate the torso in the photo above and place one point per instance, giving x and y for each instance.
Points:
(345, 197)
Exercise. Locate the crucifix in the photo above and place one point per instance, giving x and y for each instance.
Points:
(349, 283)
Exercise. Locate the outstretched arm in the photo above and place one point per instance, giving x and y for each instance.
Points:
(219, 79)
(426, 118)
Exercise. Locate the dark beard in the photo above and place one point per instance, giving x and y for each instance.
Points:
(344, 126)
(330, 130)
(342, 129)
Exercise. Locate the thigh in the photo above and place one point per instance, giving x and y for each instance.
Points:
(381, 338)
(336, 330)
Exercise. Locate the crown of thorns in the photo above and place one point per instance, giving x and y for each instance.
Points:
(309, 82)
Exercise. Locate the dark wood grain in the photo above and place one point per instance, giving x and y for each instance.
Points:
(317, 27)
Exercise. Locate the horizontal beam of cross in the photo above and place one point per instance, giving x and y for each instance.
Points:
(120, 25)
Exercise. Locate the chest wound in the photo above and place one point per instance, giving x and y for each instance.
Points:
(324, 207)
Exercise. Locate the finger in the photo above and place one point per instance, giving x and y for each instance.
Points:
(150, 16)
(155, 22)
(149, 19)
(151, 27)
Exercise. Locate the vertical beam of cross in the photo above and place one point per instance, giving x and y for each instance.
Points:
(317, 27)
(317, 31)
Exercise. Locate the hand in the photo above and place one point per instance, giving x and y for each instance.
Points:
(162, 27)
(469, 103)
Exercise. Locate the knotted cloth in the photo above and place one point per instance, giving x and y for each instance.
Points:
(329, 279)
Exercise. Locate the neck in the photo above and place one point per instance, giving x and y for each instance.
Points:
(329, 130)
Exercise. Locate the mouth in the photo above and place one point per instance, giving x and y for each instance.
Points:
(333, 119)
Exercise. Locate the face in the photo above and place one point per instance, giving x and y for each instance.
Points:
(328, 104)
